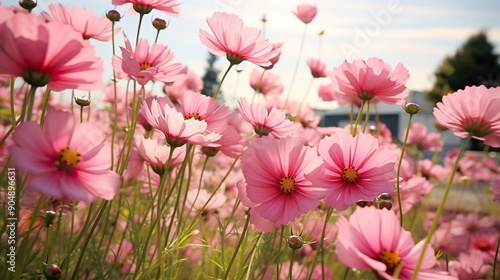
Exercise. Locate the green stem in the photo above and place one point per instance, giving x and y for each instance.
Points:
(242, 237)
(296, 64)
(45, 103)
(31, 102)
(367, 116)
(222, 80)
(440, 209)
(398, 179)
(138, 29)
(322, 241)
(358, 118)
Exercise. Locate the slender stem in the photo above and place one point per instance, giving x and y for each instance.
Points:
(291, 265)
(242, 237)
(12, 111)
(138, 29)
(398, 179)
(367, 116)
(296, 64)
(440, 209)
(115, 97)
(31, 102)
(358, 118)
(157, 34)
(81, 114)
(496, 258)
(322, 241)
(222, 80)
(305, 96)
(45, 103)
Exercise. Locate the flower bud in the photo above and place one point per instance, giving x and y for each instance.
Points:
(295, 242)
(82, 101)
(28, 4)
(113, 15)
(160, 23)
(239, 69)
(52, 272)
(411, 108)
(50, 216)
(384, 200)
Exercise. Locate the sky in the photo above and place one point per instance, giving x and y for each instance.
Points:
(417, 34)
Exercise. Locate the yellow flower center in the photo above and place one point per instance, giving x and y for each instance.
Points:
(287, 184)
(390, 259)
(145, 65)
(350, 175)
(195, 116)
(67, 159)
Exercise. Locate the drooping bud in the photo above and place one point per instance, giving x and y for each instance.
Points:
(411, 108)
(113, 15)
(295, 242)
(159, 23)
(82, 101)
(52, 272)
(384, 200)
(28, 4)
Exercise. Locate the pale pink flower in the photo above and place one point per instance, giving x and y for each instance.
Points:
(474, 111)
(412, 191)
(82, 20)
(230, 143)
(306, 12)
(318, 68)
(266, 122)
(424, 140)
(429, 170)
(465, 225)
(201, 107)
(469, 266)
(371, 79)
(356, 168)
(326, 92)
(265, 82)
(188, 82)
(372, 239)
(155, 64)
(235, 41)
(162, 101)
(65, 160)
(50, 54)
(274, 174)
(177, 130)
(156, 154)
(169, 7)
(276, 50)
(295, 111)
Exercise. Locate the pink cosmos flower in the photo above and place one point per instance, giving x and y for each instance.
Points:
(50, 54)
(412, 192)
(169, 7)
(162, 102)
(318, 68)
(265, 82)
(356, 168)
(177, 130)
(326, 92)
(155, 64)
(266, 122)
(276, 53)
(469, 266)
(485, 243)
(474, 111)
(371, 79)
(372, 239)
(295, 111)
(65, 160)
(156, 154)
(230, 143)
(274, 173)
(306, 12)
(201, 107)
(235, 41)
(82, 20)
(424, 140)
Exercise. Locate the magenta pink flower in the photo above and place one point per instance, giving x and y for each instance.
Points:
(65, 160)
(371, 79)
(177, 130)
(372, 239)
(473, 111)
(170, 7)
(306, 12)
(155, 64)
(48, 54)
(356, 168)
(82, 20)
(235, 41)
(318, 68)
(201, 107)
(274, 173)
(266, 122)
(485, 243)
(265, 82)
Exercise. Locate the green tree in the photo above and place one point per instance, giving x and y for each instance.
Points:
(473, 64)
(211, 77)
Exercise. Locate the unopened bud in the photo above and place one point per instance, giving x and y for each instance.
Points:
(411, 108)
(113, 15)
(160, 23)
(383, 201)
(295, 242)
(50, 216)
(52, 272)
(28, 4)
(82, 101)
